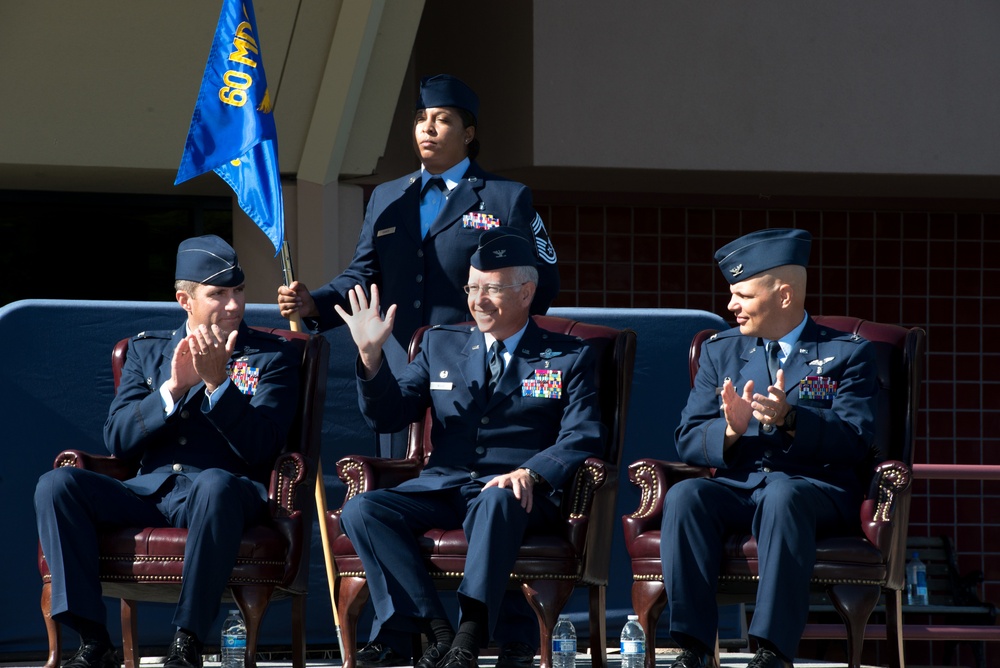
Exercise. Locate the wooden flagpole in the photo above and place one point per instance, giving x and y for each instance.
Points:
(295, 324)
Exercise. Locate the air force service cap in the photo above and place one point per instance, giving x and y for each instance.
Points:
(762, 250)
(502, 247)
(444, 90)
(208, 260)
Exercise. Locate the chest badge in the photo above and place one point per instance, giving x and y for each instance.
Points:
(820, 363)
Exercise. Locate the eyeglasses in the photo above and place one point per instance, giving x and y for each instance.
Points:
(492, 289)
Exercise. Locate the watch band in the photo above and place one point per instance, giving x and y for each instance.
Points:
(535, 478)
(788, 424)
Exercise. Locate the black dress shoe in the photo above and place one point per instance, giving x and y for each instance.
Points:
(432, 655)
(94, 655)
(185, 652)
(516, 655)
(378, 655)
(689, 659)
(765, 658)
(459, 657)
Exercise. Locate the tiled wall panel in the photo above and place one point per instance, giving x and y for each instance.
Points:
(914, 263)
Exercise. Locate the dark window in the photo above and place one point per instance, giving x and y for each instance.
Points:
(99, 246)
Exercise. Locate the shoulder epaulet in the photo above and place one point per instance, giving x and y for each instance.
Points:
(266, 335)
(453, 328)
(154, 334)
(838, 335)
(549, 335)
(727, 334)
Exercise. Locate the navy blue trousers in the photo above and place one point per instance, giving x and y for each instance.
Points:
(384, 526)
(783, 515)
(215, 506)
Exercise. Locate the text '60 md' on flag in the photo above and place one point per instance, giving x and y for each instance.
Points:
(232, 129)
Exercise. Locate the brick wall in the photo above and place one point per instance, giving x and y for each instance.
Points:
(915, 263)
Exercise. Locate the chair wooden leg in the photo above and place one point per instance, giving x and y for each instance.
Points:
(299, 631)
(649, 599)
(598, 627)
(547, 598)
(252, 601)
(855, 604)
(894, 628)
(52, 628)
(351, 594)
(130, 633)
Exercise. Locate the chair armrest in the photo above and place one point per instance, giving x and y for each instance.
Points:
(593, 491)
(362, 474)
(654, 477)
(885, 510)
(106, 464)
(594, 478)
(287, 492)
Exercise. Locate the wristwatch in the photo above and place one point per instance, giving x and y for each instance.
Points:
(789, 423)
(535, 478)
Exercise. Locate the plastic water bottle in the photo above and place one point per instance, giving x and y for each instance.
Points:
(633, 644)
(564, 644)
(916, 581)
(233, 649)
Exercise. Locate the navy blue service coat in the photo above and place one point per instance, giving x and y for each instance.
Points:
(424, 276)
(543, 415)
(784, 489)
(200, 469)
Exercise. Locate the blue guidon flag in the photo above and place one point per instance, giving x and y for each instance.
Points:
(232, 129)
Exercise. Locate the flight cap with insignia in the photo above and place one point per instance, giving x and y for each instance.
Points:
(762, 250)
(444, 90)
(501, 247)
(209, 260)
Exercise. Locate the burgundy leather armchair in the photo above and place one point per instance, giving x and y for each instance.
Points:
(548, 567)
(145, 564)
(853, 571)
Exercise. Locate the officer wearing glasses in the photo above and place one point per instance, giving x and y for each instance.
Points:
(514, 413)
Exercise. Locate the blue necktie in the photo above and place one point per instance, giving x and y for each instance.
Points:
(432, 199)
(773, 349)
(496, 365)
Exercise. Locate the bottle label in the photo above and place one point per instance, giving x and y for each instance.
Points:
(235, 642)
(921, 583)
(633, 647)
(564, 645)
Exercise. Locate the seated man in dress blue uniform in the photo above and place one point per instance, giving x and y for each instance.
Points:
(204, 410)
(786, 436)
(501, 456)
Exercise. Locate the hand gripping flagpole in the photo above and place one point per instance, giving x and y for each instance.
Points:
(233, 133)
(295, 323)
